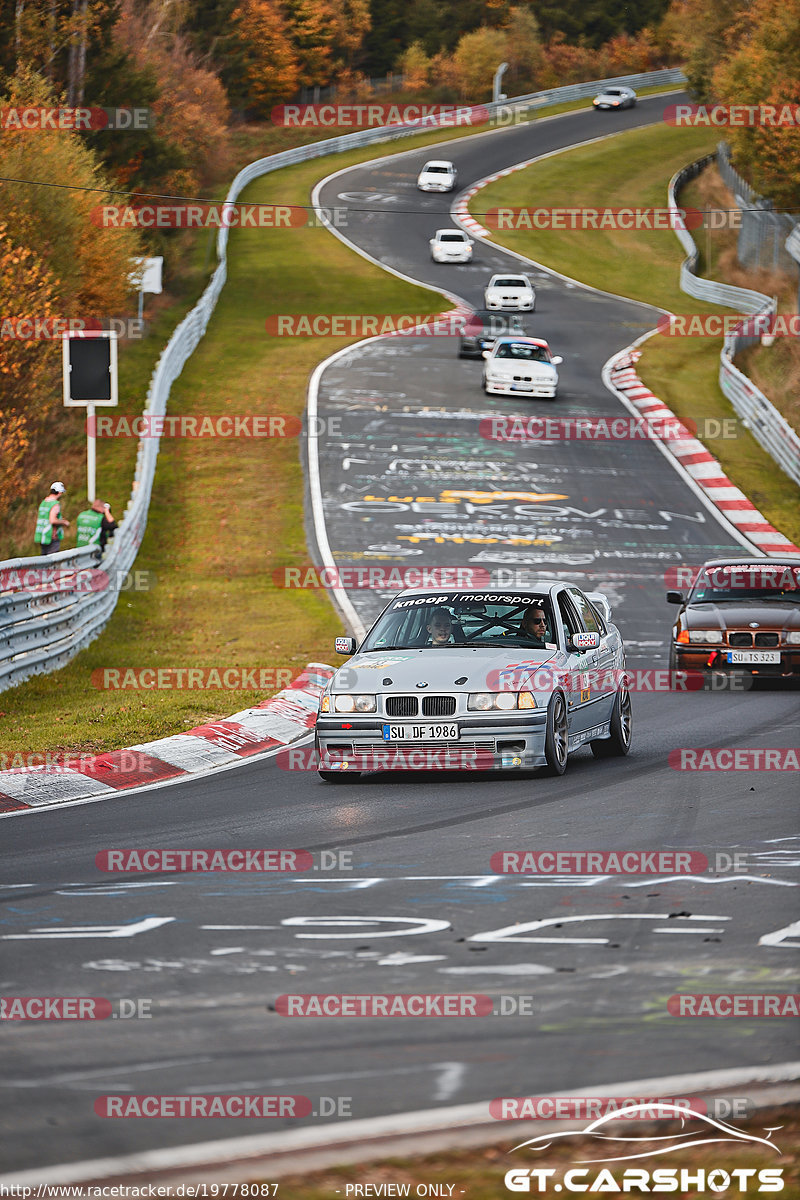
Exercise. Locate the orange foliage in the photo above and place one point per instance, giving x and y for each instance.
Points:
(269, 64)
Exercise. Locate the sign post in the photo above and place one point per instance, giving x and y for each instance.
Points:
(89, 361)
(146, 276)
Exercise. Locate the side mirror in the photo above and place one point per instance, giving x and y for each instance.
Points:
(585, 641)
(345, 645)
(486, 354)
(556, 360)
(674, 597)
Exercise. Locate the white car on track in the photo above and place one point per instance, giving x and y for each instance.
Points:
(451, 245)
(478, 679)
(438, 175)
(510, 292)
(615, 97)
(522, 366)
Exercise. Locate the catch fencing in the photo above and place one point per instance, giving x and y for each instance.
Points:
(43, 627)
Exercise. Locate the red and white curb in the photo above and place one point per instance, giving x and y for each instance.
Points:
(702, 467)
(276, 722)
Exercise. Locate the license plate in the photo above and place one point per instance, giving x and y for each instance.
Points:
(754, 656)
(420, 733)
(522, 387)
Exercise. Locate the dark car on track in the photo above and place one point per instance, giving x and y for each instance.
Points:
(483, 327)
(740, 616)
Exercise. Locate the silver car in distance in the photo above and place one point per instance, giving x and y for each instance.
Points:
(474, 680)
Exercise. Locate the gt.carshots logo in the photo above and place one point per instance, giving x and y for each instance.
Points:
(619, 1144)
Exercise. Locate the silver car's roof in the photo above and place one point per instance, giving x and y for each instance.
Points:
(533, 589)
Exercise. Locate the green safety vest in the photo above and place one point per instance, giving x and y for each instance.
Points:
(88, 525)
(45, 532)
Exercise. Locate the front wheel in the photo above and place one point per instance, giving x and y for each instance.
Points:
(556, 736)
(621, 729)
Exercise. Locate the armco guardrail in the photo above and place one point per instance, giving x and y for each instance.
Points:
(772, 431)
(42, 633)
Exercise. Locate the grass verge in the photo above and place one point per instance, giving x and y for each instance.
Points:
(633, 171)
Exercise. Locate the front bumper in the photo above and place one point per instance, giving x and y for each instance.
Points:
(484, 744)
(510, 305)
(503, 387)
(715, 658)
(463, 256)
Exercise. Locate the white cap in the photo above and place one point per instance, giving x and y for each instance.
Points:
(57, 487)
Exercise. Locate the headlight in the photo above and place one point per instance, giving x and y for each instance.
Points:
(793, 638)
(502, 701)
(710, 637)
(325, 704)
(349, 702)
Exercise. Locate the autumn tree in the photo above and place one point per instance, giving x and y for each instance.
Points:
(57, 216)
(416, 67)
(29, 369)
(263, 68)
(476, 58)
(764, 68)
(523, 50)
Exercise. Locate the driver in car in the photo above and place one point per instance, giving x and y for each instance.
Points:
(533, 627)
(440, 628)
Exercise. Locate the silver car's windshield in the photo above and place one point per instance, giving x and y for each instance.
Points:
(441, 621)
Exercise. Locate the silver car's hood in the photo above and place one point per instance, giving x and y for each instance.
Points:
(437, 668)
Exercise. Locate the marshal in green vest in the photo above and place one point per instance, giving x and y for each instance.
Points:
(45, 532)
(88, 526)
